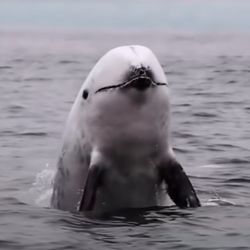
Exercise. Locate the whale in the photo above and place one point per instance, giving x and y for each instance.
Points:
(116, 151)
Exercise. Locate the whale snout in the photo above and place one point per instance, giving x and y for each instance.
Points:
(125, 68)
(140, 78)
(141, 83)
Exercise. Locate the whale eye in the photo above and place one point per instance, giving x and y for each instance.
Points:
(85, 94)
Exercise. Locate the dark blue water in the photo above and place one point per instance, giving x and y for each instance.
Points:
(40, 75)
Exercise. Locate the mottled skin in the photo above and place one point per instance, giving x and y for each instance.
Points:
(116, 151)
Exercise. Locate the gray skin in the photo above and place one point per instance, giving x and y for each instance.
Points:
(116, 152)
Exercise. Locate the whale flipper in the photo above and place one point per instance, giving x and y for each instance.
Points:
(93, 181)
(179, 186)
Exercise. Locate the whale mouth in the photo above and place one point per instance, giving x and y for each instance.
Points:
(140, 83)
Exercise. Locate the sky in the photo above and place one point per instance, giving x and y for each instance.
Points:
(169, 15)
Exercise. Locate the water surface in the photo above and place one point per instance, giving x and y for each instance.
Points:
(40, 75)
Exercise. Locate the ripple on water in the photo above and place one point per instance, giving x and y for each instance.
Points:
(5, 67)
(23, 134)
(6, 244)
(37, 79)
(68, 62)
(15, 108)
(32, 134)
(231, 161)
(205, 115)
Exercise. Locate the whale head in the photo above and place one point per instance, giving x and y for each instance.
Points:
(124, 100)
(124, 67)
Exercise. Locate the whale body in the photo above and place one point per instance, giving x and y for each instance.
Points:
(116, 150)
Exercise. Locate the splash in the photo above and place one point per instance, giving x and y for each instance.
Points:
(42, 187)
(217, 200)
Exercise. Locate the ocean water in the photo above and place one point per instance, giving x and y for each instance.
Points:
(209, 78)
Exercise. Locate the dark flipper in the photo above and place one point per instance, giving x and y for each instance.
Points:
(179, 186)
(87, 201)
